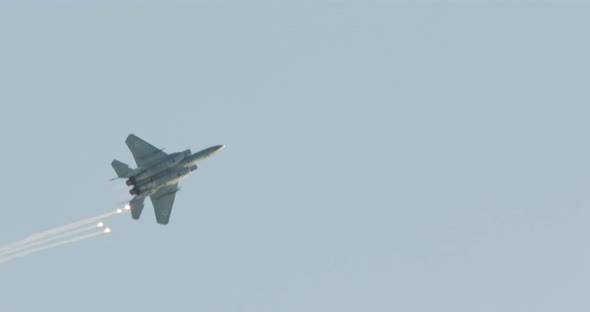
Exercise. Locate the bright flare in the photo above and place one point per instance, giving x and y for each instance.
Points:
(127, 207)
(100, 224)
(56, 231)
(107, 230)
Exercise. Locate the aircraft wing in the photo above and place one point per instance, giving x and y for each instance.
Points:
(143, 152)
(162, 201)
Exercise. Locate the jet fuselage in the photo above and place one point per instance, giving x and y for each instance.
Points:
(154, 169)
(167, 171)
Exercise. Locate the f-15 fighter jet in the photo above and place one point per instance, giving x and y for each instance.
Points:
(157, 175)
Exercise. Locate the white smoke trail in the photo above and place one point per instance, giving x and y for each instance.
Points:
(57, 230)
(49, 239)
(56, 244)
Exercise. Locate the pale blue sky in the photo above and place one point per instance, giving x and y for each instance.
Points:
(379, 157)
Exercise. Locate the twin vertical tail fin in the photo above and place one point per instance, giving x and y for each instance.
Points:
(122, 169)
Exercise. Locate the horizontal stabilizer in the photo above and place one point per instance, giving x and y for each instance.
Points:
(136, 205)
(122, 169)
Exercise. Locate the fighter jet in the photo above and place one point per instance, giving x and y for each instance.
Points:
(157, 175)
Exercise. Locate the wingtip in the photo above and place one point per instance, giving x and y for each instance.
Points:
(129, 137)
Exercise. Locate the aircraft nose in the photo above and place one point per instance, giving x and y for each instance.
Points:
(216, 149)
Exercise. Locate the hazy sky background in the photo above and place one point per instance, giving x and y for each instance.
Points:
(379, 156)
